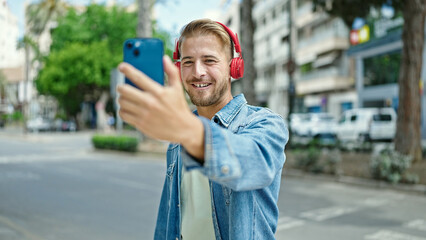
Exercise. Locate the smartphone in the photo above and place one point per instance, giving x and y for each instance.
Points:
(146, 55)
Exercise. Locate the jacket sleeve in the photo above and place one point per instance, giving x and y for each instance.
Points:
(247, 160)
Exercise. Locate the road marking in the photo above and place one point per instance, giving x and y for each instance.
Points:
(28, 235)
(288, 222)
(327, 213)
(27, 158)
(374, 202)
(418, 224)
(390, 235)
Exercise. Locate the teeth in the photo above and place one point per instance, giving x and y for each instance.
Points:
(201, 85)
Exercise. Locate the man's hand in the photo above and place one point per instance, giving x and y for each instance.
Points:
(160, 112)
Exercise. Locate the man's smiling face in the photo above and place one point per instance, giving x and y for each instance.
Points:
(205, 70)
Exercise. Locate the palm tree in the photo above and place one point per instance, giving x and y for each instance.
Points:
(38, 15)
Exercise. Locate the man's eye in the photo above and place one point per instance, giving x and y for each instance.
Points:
(210, 61)
(187, 63)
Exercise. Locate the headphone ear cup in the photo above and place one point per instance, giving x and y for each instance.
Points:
(237, 68)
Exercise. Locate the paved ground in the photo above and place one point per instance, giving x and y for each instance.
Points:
(55, 186)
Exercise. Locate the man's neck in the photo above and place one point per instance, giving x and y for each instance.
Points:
(210, 111)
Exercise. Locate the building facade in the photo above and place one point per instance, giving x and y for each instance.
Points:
(11, 61)
(378, 63)
(323, 74)
(324, 81)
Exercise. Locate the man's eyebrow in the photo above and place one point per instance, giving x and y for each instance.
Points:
(186, 57)
(204, 56)
(210, 56)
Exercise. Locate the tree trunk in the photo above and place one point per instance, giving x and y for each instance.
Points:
(101, 116)
(25, 112)
(408, 138)
(247, 48)
(144, 29)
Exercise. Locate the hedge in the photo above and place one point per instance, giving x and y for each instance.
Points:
(121, 143)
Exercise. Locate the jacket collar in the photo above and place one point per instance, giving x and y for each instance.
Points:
(230, 110)
(228, 113)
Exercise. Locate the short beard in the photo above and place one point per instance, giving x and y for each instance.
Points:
(212, 100)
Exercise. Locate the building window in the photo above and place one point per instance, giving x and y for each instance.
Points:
(382, 69)
(345, 106)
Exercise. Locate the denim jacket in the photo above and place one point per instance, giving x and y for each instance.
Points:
(244, 156)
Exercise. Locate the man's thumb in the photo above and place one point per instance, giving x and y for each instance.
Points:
(172, 71)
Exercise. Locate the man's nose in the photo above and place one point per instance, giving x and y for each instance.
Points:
(199, 69)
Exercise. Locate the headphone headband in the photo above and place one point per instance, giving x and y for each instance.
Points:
(233, 37)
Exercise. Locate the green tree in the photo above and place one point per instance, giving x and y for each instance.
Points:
(85, 47)
(97, 23)
(408, 138)
(77, 73)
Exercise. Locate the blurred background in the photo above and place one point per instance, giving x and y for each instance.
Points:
(348, 77)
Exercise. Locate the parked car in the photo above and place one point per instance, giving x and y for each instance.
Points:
(39, 124)
(321, 124)
(62, 125)
(298, 121)
(367, 124)
(314, 126)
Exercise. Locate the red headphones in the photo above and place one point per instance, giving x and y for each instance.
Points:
(237, 64)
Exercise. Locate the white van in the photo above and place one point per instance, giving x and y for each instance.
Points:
(367, 124)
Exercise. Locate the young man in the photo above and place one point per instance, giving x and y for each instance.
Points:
(225, 161)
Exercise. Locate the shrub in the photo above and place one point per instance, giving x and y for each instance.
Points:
(17, 116)
(330, 160)
(390, 166)
(121, 143)
(308, 159)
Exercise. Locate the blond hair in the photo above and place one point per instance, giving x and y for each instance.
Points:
(203, 27)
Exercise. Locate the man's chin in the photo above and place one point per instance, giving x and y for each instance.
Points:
(202, 102)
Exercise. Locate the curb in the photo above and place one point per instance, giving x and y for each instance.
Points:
(417, 189)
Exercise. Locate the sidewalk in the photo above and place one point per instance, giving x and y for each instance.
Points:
(417, 189)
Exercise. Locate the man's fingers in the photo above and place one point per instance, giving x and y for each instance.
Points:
(139, 78)
(171, 70)
(131, 93)
(129, 106)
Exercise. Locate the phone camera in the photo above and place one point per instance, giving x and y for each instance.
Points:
(129, 45)
(136, 52)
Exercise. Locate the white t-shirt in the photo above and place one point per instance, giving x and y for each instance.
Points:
(197, 221)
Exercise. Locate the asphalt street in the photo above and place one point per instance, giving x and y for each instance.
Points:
(55, 186)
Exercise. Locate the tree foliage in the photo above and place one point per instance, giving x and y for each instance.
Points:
(85, 47)
(348, 10)
(98, 23)
(76, 73)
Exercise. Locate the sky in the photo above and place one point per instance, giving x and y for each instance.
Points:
(172, 15)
